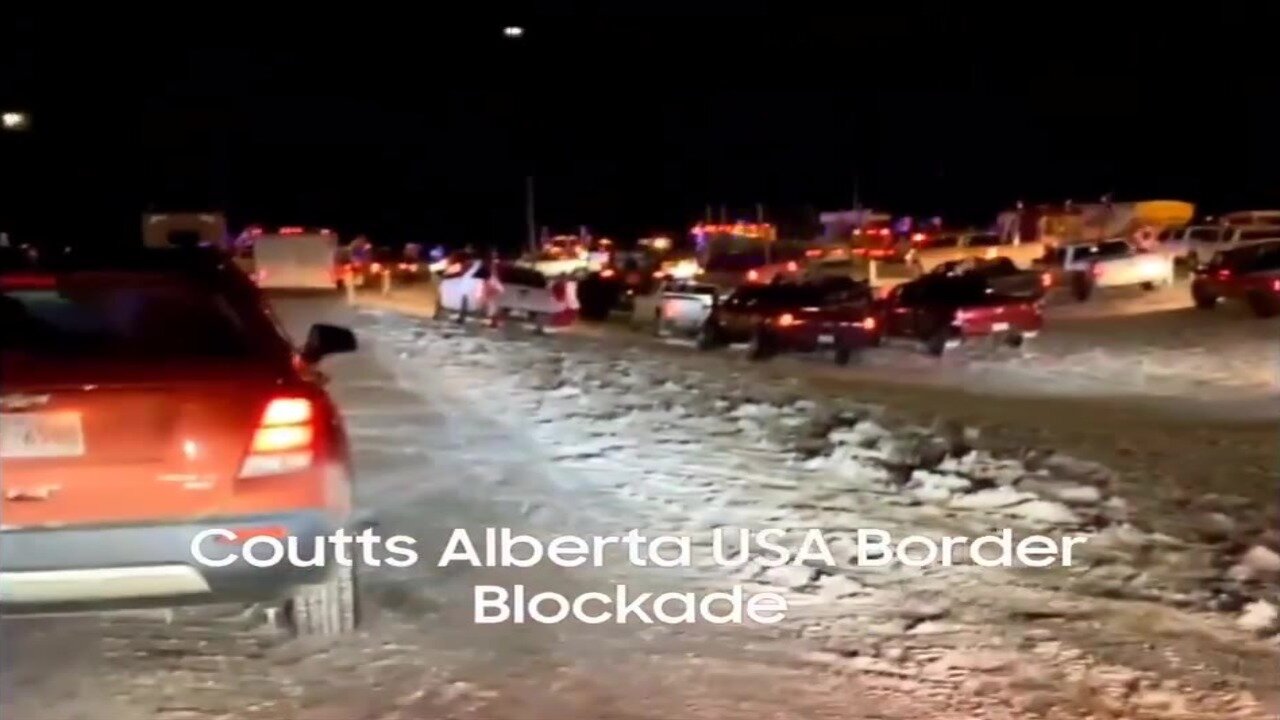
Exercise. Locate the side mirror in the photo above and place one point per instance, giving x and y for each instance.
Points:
(324, 340)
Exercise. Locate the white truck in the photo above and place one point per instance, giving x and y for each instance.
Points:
(518, 292)
(1196, 244)
(1085, 267)
(296, 259)
(679, 307)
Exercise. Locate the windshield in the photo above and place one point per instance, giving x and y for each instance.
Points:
(1204, 234)
(1259, 234)
(114, 315)
(1104, 250)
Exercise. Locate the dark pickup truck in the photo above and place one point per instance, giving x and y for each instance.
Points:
(962, 301)
(1250, 274)
(833, 314)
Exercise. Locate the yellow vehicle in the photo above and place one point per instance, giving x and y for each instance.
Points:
(978, 245)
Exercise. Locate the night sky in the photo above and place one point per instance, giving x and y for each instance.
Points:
(423, 129)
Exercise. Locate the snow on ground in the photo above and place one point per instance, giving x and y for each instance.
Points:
(648, 443)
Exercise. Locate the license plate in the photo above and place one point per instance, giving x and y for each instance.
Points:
(41, 435)
(517, 313)
(999, 327)
(826, 339)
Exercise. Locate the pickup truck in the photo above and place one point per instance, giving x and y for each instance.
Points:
(1250, 274)
(834, 314)
(1197, 244)
(975, 245)
(1085, 267)
(881, 276)
(962, 302)
(676, 307)
(516, 292)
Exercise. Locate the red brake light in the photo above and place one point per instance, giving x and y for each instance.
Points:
(1095, 270)
(868, 323)
(1275, 285)
(917, 237)
(278, 439)
(753, 275)
(291, 231)
(884, 232)
(375, 268)
(786, 320)
(287, 411)
(284, 439)
(792, 266)
(1046, 279)
(813, 252)
(28, 281)
(607, 273)
(1224, 274)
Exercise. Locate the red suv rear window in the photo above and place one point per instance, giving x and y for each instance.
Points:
(114, 314)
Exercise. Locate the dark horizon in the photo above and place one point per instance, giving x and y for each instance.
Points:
(632, 124)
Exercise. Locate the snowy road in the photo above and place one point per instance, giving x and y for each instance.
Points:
(553, 435)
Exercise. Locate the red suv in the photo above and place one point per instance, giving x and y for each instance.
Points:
(1250, 274)
(146, 399)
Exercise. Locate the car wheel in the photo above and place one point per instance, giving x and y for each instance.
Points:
(1015, 340)
(1081, 287)
(844, 354)
(1203, 299)
(1148, 286)
(462, 310)
(936, 344)
(708, 336)
(326, 610)
(759, 347)
(1263, 305)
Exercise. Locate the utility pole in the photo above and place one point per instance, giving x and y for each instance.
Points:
(529, 220)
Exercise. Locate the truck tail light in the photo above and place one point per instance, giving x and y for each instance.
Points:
(1275, 285)
(284, 440)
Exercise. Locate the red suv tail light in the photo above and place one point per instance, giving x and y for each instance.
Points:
(284, 440)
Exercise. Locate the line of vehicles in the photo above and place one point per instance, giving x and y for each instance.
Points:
(152, 401)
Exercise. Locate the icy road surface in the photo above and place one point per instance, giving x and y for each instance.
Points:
(464, 428)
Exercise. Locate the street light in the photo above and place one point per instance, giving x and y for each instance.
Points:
(15, 121)
(513, 31)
